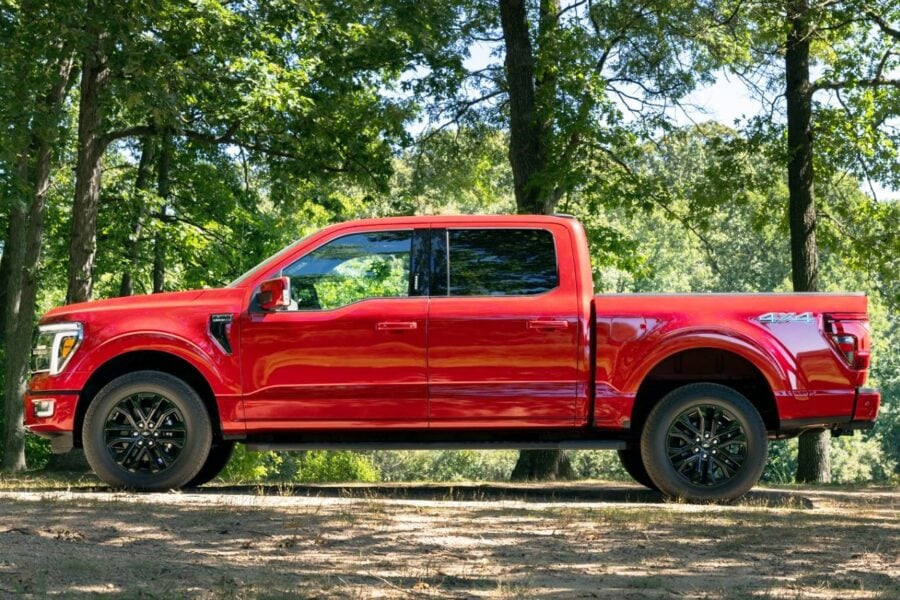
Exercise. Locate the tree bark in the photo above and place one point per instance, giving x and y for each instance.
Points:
(813, 459)
(91, 144)
(27, 224)
(526, 144)
(163, 189)
(4, 282)
(141, 185)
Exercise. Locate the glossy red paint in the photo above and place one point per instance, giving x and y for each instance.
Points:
(805, 372)
(513, 358)
(565, 358)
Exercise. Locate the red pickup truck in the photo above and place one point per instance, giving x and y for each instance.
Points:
(447, 332)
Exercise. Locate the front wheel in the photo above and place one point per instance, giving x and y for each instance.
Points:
(148, 431)
(704, 442)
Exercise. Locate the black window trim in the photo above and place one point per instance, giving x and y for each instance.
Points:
(445, 231)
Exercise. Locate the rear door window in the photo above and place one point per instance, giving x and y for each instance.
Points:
(494, 262)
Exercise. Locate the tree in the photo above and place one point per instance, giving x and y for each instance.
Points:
(560, 114)
(853, 44)
(36, 114)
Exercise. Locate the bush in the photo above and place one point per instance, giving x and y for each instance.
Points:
(445, 465)
(598, 464)
(301, 467)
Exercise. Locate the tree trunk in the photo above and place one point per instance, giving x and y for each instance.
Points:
(141, 185)
(542, 465)
(4, 281)
(526, 152)
(14, 369)
(91, 144)
(527, 156)
(813, 460)
(27, 230)
(163, 189)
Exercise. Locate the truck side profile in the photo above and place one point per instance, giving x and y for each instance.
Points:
(447, 332)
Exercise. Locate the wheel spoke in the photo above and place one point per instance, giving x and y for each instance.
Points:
(153, 410)
(686, 425)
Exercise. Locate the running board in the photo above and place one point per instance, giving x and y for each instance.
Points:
(438, 445)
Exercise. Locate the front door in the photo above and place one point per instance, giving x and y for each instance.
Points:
(350, 350)
(503, 328)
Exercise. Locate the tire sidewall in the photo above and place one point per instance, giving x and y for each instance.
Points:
(654, 442)
(196, 422)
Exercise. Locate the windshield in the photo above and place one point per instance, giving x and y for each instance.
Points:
(281, 253)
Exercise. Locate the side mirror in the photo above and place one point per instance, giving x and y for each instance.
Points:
(274, 293)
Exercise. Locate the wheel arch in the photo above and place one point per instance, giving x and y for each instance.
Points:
(146, 360)
(749, 373)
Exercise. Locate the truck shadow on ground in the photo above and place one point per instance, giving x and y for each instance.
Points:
(491, 492)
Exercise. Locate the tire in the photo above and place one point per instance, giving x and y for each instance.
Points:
(219, 456)
(731, 454)
(633, 464)
(147, 431)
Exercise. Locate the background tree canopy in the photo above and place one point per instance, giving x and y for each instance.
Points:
(164, 145)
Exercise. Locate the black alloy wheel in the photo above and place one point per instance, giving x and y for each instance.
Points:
(148, 431)
(145, 433)
(704, 442)
(706, 445)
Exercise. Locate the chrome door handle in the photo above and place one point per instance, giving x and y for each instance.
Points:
(545, 325)
(396, 325)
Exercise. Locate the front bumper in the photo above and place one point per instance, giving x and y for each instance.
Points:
(59, 425)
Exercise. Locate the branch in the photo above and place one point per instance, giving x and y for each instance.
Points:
(707, 245)
(882, 24)
(877, 81)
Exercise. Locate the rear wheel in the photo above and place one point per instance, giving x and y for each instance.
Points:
(219, 455)
(634, 466)
(147, 430)
(704, 442)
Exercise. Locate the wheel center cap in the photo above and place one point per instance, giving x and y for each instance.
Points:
(145, 433)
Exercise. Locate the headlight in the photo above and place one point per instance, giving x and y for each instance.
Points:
(54, 346)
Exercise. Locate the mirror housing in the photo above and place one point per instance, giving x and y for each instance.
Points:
(274, 293)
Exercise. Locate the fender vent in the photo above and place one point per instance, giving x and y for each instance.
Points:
(219, 328)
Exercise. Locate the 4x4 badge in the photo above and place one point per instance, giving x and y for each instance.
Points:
(779, 317)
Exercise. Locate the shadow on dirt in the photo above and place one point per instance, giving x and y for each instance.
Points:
(494, 492)
(469, 492)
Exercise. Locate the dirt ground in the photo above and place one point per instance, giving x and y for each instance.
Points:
(560, 541)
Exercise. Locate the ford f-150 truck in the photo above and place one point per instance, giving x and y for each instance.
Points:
(447, 332)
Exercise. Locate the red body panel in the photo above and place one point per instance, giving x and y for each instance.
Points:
(806, 374)
(512, 359)
(461, 362)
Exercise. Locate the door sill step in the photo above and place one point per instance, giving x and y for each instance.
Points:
(439, 445)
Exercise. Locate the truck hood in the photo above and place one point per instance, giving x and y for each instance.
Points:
(217, 300)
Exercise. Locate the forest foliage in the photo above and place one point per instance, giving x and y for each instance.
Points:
(166, 145)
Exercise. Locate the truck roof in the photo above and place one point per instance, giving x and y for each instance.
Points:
(468, 219)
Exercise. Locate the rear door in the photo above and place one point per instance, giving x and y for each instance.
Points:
(502, 327)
